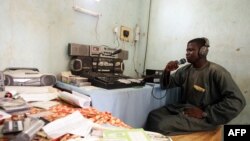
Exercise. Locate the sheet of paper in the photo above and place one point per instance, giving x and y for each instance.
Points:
(44, 104)
(29, 89)
(38, 96)
(125, 135)
(154, 136)
(74, 123)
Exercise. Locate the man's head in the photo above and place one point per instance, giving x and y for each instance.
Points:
(197, 49)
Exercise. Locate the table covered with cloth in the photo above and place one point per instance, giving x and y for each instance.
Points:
(64, 109)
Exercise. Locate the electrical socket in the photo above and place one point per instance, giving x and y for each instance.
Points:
(125, 33)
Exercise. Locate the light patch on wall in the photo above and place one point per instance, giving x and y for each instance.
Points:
(85, 11)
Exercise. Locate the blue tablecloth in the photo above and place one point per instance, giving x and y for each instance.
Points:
(131, 105)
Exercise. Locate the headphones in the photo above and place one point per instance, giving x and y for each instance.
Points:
(204, 49)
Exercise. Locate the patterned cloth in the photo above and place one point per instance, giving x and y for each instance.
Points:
(64, 109)
(93, 114)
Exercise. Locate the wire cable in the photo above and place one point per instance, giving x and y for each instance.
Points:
(145, 55)
(153, 95)
(96, 26)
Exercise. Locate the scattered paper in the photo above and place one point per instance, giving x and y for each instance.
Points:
(9, 102)
(14, 105)
(4, 115)
(74, 123)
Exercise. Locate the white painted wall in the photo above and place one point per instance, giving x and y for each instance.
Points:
(226, 24)
(35, 33)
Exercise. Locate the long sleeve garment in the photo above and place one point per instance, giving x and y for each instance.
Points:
(210, 87)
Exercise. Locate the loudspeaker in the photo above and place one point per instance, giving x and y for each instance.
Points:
(8, 80)
(48, 80)
(118, 66)
(76, 65)
(204, 49)
(78, 49)
(80, 64)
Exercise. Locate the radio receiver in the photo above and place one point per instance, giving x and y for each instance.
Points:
(27, 77)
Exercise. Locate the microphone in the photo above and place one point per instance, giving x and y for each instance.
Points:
(181, 61)
(116, 52)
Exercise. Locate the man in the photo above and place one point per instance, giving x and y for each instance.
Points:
(210, 97)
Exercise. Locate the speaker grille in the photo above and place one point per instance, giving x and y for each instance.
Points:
(76, 64)
(48, 80)
(8, 81)
(78, 50)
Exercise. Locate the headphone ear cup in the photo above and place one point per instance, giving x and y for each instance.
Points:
(203, 51)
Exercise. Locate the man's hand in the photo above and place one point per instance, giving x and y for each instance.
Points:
(195, 112)
(172, 65)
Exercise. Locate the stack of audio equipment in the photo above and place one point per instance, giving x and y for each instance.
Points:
(153, 76)
(102, 65)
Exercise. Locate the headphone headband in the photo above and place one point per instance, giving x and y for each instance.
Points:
(206, 42)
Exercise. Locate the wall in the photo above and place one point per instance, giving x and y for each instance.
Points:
(35, 33)
(224, 22)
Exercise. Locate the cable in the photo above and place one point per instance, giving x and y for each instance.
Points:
(145, 57)
(123, 44)
(116, 37)
(96, 32)
(86, 11)
(136, 71)
(153, 95)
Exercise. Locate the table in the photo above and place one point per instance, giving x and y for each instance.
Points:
(58, 111)
(212, 135)
(131, 105)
